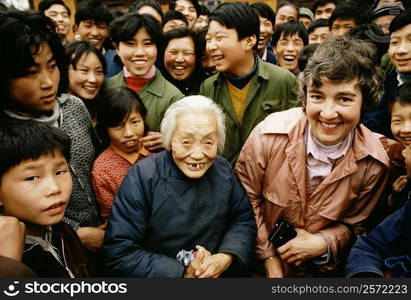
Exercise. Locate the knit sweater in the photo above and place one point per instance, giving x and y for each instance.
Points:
(108, 172)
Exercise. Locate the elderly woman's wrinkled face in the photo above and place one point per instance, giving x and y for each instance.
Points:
(333, 110)
(194, 143)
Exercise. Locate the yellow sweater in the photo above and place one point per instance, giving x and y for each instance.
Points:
(238, 98)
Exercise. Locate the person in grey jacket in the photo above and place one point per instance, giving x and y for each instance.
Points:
(182, 212)
(32, 88)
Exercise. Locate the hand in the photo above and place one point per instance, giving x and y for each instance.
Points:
(153, 141)
(304, 246)
(274, 267)
(195, 265)
(12, 236)
(399, 184)
(214, 265)
(91, 237)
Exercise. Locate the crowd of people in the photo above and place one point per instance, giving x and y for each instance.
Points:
(233, 142)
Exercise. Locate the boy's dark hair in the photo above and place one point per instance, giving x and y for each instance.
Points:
(322, 3)
(373, 34)
(22, 34)
(305, 55)
(264, 10)
(290, 28)
(92, 10)
(172, 5)
(174, 15)
(203, 11)
(46, 4)
(152, 3)
(240, 17)
(316, 24)
(116, 104)
(125, 27)
(76, 49)
(26, 139)
(401, 95)
(354, 10)
(401, 20)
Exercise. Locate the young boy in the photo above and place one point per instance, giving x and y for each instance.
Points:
(247, 88)
(35, 187)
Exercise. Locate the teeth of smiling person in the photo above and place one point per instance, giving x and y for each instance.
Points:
(329, 125)
(289, 57)
(179, 67)
(90, 88)
(139, 62)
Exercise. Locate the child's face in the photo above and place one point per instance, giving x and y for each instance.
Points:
(37, 90)
(229, 54)
(126, 136)
(88, 76)
(138, 54)
(37, 191)
(401, 123)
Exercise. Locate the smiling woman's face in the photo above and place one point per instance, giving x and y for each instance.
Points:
(333, 110)
(179, 58)
(194, 144)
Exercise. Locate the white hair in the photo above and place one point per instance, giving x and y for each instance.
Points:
(192, 105)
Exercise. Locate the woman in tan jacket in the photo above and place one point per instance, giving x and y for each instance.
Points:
(317, 167)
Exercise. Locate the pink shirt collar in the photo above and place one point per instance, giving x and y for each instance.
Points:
(150, 73)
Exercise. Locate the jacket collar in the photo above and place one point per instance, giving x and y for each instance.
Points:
(294, 121)
(154, 86)
(260, 73)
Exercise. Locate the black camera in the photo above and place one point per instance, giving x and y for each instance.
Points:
(282, 233)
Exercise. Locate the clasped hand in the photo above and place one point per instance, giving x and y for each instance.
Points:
(206, 265)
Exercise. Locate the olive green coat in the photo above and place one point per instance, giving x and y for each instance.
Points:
(272, 89)
(157, 95)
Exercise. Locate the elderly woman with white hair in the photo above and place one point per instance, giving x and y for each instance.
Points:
(182, 212)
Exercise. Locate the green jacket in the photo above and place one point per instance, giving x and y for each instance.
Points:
(157, 95)
(272, 89)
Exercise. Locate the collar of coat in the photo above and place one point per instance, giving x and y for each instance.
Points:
(154, 86)
(294, 121)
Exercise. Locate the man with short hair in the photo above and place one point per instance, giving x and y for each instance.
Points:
(60, 13)
(318, 31)
(346, 16)
(324, 8)
(247, 88)
(91, 20)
